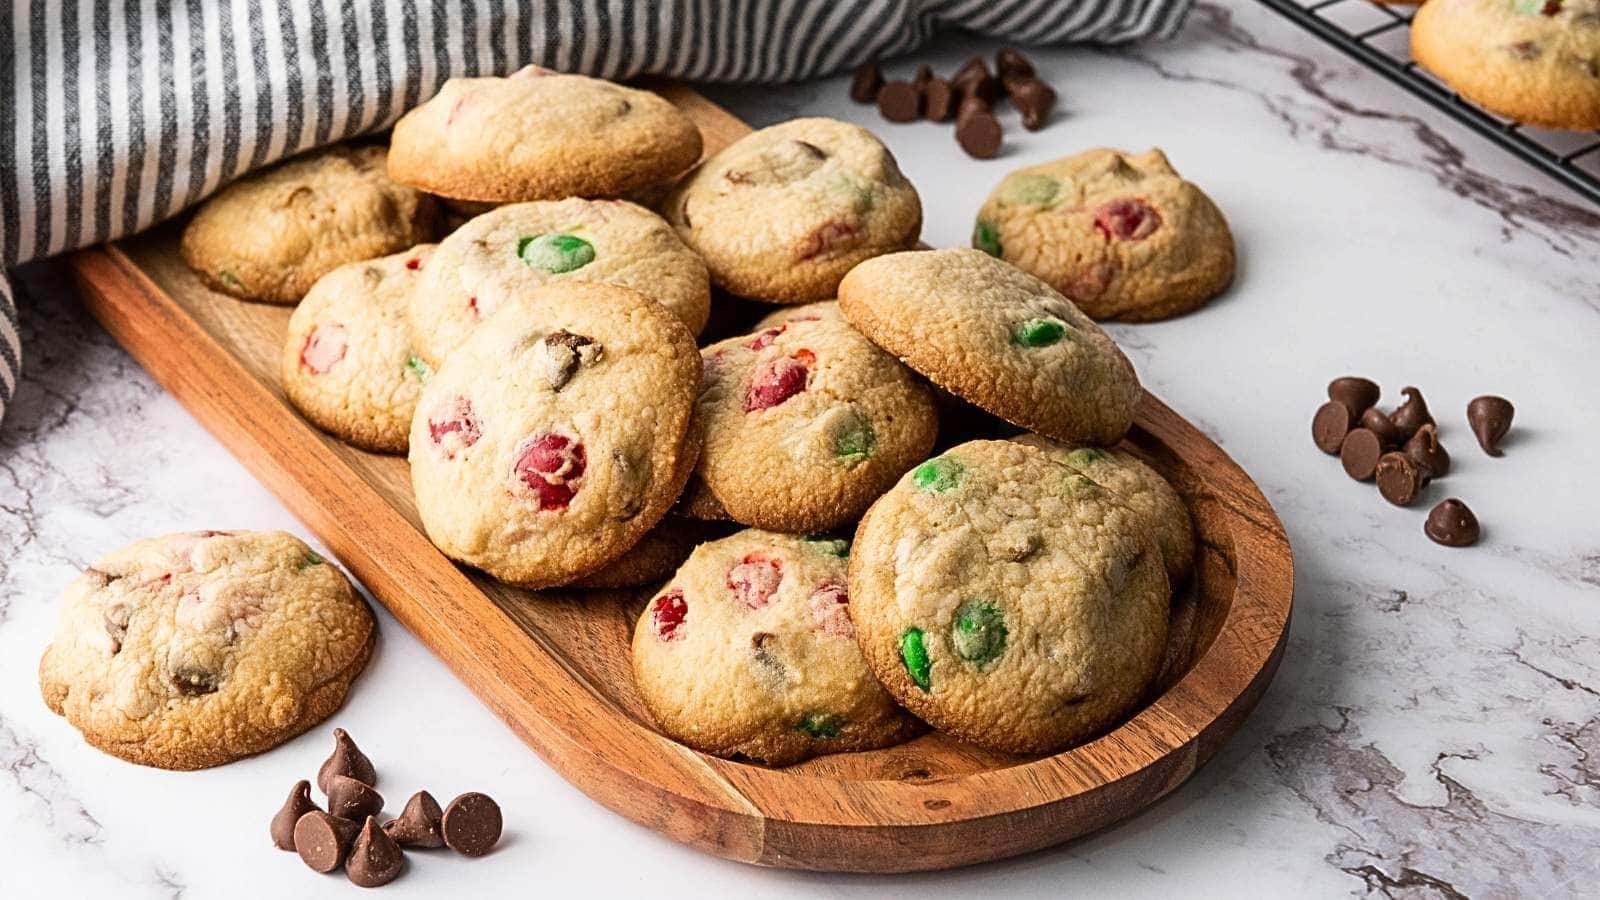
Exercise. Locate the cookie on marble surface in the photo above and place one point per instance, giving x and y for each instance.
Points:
(540, 135)
(998, 338)
(1141, 488)
(347, 359)
(657, 555)
(1008, 600)
(196, 649)
(805, 312)
(783, 213)
(516, 248)
(270, 235)
(749, 650)
(1122, 236)
(806, 423)
(558, 434)
(1534, 61)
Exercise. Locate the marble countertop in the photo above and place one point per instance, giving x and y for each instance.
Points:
(1434, 730)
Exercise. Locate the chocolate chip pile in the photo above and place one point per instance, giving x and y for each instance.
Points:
(347, 834)
(1400, 450)
(968, 97)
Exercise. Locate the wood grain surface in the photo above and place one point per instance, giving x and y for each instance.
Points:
(554, 665)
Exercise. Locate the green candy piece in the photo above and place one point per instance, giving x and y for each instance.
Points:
(822, 725)
(556, 253)
(986, 237)
(1530, 7)
(829, 545)
(915, 655)
(856, 441)
(1077, 482)
(1030, 190)
(1040, 332)
(979, 632)
(937, 475)
(1086, 455)
(417, 367)
(230, 278)
(309, 560)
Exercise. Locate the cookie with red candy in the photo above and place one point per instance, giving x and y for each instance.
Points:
(559, 434)
(805, 312)
(1122, 235)
(347, 363)
(749, 650)
(806, 423)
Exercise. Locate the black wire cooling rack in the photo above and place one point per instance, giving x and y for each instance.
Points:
(1378, 36)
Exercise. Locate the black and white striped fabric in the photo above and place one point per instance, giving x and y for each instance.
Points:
(115, 114)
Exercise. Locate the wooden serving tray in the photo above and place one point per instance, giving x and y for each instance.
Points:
(555, 666)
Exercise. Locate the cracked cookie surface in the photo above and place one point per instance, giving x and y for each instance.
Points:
(195, 649)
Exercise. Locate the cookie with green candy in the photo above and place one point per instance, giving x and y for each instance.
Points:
(996, 337)
(749, 651)
(515, 248)
(1007, 599)
(347, 361)
(806, 423)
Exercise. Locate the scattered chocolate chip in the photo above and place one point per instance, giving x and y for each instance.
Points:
(471, 824)
(323, 841)
(1360, 453)
(1379, 424)
(1033, 99)
(868, 81)
(1329, 426)
(1011, 63)
(900, 101)
(1490, 418)
(375, 860)
(417, 824)
(939, 100)
(1412, 414)
(1360, 394)
(1426, 451)
(351, 799)
(973, 80)
(298, 804)
(1452, 524)
(977, 130)
(1400, 479)
(347, 759)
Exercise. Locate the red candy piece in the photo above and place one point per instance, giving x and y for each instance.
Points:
(454, 423)
(830, 610)
(755, 580)
(551, 465)
(765, 338)
(667, 614)
(472, 304)
(324, 347)
(779, 379)
(1128, 218)
(414, 263)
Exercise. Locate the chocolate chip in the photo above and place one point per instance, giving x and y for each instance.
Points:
(347, 759)
(1412, 414)
(1400, 479)
(973, 80)
(116, 616)
(923, 76)
(977, 130)
(868, 81)
(900, 101)
(1379, 424)
(350, 799)
(1033, 99)
(1452, 524)
(1426, 451)
(1490, 418)
(194, 682)
(939, 100)
(1011, 63)
(417, 824)
(298, 804)
(323, 841)
(1329, 426)
(471, 824)
(1360, 394)
(1360, 453)
(562, 353)
(375, 860)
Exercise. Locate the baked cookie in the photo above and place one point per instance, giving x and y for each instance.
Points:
(1141, 488)
(540, 135)
(557, 435)
(1121, 236)
(998, 338)
(516, 248)
(806, 423)
(1535, 61)
(192, 650)
(657, 555)
(271, 235)
(347, 359)
(822, 309)
(1007, 600)
(781, 214)
(749, 650)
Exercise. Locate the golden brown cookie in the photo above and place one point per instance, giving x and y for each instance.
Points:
(657, 555)
(806, 312)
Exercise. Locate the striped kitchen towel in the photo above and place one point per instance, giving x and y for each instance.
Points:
(115, 114)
